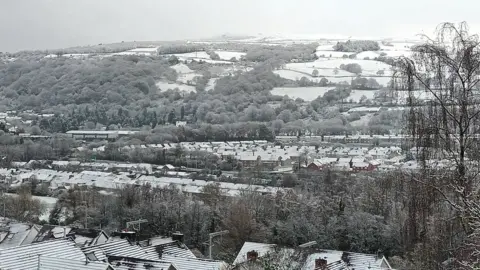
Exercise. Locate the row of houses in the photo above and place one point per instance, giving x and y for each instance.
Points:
(74, 165)
(343, 164)
(269, 156)
(306, 256)
(112, 181)
(48, 247)
(28, 247)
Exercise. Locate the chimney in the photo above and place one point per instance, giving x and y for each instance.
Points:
(252, 256)
(346, 257)
(320, 264)
(177, 236)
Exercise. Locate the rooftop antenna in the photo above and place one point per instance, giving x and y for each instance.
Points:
(136, 224)
(210, 237)
(309, 244)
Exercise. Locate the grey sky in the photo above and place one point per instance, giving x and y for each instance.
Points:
(42, 24)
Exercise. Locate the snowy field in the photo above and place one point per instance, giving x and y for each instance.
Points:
(331, 54)
(296, 75)
(369, 67)
(187, 77)
(164, 86)
(398, 53)
(342, 76)
(293, 75)
(199, 55)
(305, 93)
(369, 54)
(326, 47)
(356, 95)
(182, 68)
(211, 84)
(203, 56)
(227, 55)
(398, 49)
(323, 70)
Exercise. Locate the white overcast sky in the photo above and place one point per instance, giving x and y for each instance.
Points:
(49, 24)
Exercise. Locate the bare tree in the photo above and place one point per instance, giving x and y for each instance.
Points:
(440, 83)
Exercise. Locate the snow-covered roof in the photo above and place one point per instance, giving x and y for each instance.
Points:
(261, 248)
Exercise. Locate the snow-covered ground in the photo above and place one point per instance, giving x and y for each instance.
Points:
(297, 75)
(203, 56)
(332, 54)
(182, 68)
(369, 67)
(356, 95)
(164, 86)
(398, 53)
(323, 70)
(187, 77)
(342, 76)
(211, 84)
(305, 93)
(325, 47)
(293, 75)
(369, 54)
(227, 55)
(198, 55)
(398, 49)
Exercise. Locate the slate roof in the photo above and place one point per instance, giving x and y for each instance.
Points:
(174, 253)
(26, 257)
(48, 232)
(336, 260)
(86, 237)
(183, 263)
(16, 234)
(52, 263)
(261, 248)
(173, 249)
(339, 260)
(122, 248)
(126, 265)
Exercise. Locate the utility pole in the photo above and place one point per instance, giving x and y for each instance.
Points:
(86, 214)
(4, 200)
(210, 237)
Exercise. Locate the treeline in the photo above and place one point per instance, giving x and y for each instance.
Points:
(299, 52)
(357, 46)
(15, 148)
(205, 133)
(363, 83)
